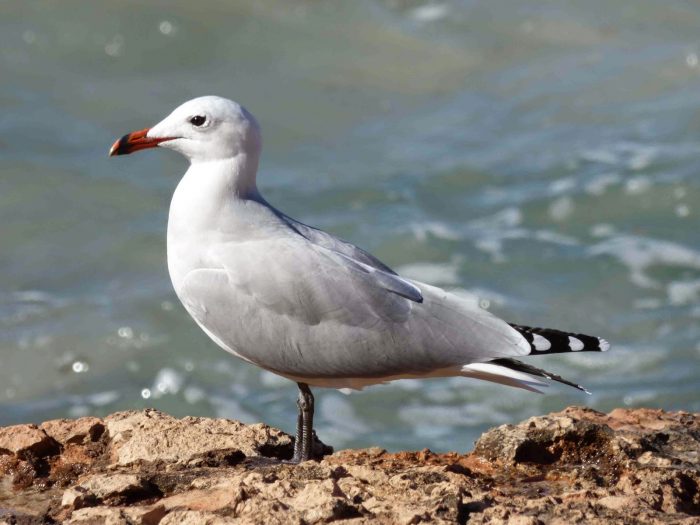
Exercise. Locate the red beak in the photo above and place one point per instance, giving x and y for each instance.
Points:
(134, 142)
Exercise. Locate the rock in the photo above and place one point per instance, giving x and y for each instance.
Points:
(15, 517)
(77, 498)
(67, 431)
(117, 488)
(151, 515)
(225, 495)
(578, 466)
(152, 436)
(193, 517)
(618, 503)
(641, 463)
(544, 441)
(22, 440)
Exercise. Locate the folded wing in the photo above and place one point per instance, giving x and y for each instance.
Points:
(305, 310)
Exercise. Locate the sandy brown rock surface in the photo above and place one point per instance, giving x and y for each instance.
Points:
(575, 466)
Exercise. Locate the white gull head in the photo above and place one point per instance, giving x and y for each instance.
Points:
(219, 137)
(209, 128)
(202, 129)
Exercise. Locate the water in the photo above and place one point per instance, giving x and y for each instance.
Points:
(543, 156)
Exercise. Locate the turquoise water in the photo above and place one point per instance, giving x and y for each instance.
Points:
(541, 155)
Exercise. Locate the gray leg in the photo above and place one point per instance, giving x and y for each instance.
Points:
(305, 424)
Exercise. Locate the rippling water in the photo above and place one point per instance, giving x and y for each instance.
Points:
(543, 156)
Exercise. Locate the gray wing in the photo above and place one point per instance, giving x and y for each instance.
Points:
(304, 310)
(354, 256)
(390, 282)
(326, 240)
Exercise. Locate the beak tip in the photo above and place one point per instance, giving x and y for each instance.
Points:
(114, 150)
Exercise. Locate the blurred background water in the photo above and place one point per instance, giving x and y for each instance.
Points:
(543, 155)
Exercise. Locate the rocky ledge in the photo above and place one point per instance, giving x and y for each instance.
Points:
(575, 466)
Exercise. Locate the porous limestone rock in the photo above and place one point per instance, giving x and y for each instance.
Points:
(577, 466)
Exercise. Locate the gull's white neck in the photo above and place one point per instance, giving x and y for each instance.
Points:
(210, 205)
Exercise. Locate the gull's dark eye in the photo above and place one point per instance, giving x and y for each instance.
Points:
(198, 120)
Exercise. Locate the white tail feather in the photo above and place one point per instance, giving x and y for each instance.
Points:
(502, 375)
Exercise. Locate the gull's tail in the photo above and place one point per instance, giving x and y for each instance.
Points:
(550, 341)
(542, 341)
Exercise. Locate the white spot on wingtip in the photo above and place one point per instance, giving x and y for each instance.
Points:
(603, 344)
(575, 344)
(540, 343)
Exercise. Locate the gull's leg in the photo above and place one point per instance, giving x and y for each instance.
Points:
(304, 442)
(300, 434)
(305, 424)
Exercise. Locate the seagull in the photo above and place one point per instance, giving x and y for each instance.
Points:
(306, 305)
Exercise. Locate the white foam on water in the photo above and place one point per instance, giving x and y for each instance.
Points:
(683, 292)
(101, 399)
(640, 156)
(600, 155)
(430, 12)
(602, 230)
(438, 229)
(440, 274)
(561, 209)
(682, 210)
(628, 155)
(552, 237)
(639, 254)
(600, 184)
(638, 184)
(562, 185)
(490, 232)
(506, 218)
(622, 361)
